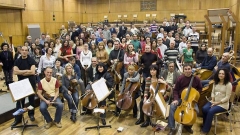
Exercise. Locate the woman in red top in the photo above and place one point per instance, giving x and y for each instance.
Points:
(154, 47)
(124, 44)
(65, 52)
(143, 43)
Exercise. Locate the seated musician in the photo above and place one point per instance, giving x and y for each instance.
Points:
(223, 63)
(102, 73)
(210, 61)
(182, 82)
(133, 77)
(48, 91)
(170, 76)
(70, 92)
(77, 71)
(221, 93)
(153, 74)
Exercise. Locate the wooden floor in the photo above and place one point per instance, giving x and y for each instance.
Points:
(126, 121)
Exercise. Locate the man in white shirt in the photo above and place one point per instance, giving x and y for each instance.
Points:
(161, 48)
(194, 38)
(187, 30)
(182, 45)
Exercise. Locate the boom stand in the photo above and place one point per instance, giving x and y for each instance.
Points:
(24, 125)
(98, 126)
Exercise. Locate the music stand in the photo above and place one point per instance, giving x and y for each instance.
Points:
(19, 90)
(101, 91)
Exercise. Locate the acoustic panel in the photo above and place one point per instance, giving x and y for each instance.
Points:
(34, 31)
(148, 5)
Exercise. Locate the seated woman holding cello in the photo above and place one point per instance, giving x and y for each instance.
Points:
(130, 85)
(221, 92)
(154, 72)
(101, 73)
(69, 88)
(181, 85)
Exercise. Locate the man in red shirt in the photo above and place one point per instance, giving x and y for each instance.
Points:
(48, 91)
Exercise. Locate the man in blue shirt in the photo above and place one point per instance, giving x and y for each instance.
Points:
(210, 61)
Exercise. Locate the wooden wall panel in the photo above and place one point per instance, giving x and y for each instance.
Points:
(12, 3)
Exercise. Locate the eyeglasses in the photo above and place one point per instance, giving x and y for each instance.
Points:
(94, 61)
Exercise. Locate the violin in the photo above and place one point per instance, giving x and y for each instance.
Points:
(126, 100)
(72, 85)
(185, 113)
(150, 107)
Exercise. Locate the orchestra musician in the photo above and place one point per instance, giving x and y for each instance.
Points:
(57, 69)
(170, 76)
(210, 61)
(116, 56)
(154, 72)
(182, 83)
(70, 91)
(221, 92)
(102, 73)
(101, 54)
(130, 76)
(130, 57)
(48, 91)
(147, 60)
(7, 62)
(24, 67)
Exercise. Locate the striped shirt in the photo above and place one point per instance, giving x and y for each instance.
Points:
(153, 28)
(171, 55)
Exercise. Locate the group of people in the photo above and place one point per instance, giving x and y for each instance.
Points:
(88, 54)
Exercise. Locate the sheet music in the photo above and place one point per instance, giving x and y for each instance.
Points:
(161, 103)
(21, 89)
(179, 67)
(100, 89)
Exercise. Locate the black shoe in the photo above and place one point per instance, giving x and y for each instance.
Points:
(188, 129)
(145, 124)
(32, 118)
(103, 121)
(139, 121)
(15, 123)
(172, 132)
(134, 115)
(73, 117)
(116, 114)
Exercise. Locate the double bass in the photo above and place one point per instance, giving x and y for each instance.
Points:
(185, 113)
(126, 100)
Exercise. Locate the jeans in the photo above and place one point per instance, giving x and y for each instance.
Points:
(205, 83)
(58, 113)
(21, 103)
(171, 120)
(71, 99)
(208, 114)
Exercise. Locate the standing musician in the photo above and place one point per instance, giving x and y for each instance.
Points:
(24, 67)
(102, 73)
(116, 57)
(133, 77)
(182, 83)
(48, 91)
(7, 62)
(170, 76)
(102, 54)
(147, 60)
(154, 72)
(69, 88)
(130, 57)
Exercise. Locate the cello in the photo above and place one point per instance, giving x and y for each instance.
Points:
(126, 100)
(150, 107)
(185, 113)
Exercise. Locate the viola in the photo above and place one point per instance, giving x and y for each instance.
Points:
(185, 113)
(73, 83)
(126, 100)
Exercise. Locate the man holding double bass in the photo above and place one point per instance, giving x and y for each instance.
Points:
(182, 82)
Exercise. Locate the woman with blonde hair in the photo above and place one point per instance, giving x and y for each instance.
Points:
(102, 54)
(69, 91)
